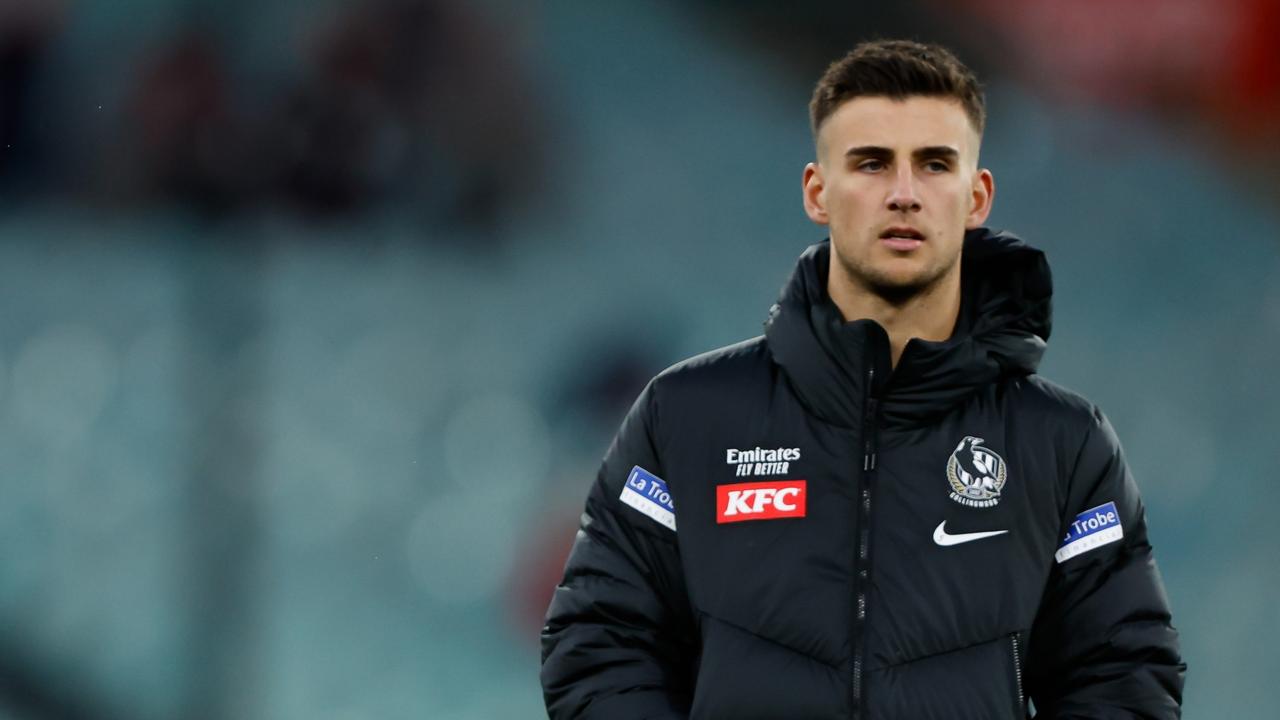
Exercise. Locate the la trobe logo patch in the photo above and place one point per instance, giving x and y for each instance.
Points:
(977, 473)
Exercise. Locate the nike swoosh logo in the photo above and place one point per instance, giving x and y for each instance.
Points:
(944, 538)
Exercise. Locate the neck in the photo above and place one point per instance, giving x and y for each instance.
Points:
(929, 314)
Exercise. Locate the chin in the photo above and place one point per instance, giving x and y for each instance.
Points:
(900, 272)
(899, 282)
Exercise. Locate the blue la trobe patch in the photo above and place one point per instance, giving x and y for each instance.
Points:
(648, 494)
(1091, 529)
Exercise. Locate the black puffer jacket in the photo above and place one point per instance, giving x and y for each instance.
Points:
(789, 528)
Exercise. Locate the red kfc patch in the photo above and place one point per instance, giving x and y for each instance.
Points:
(760, 501)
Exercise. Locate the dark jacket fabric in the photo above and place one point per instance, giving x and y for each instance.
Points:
(827, 536)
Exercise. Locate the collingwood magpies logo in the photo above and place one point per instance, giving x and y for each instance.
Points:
(977, 473)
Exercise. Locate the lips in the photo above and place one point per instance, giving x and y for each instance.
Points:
(902, 232)
(902, 238)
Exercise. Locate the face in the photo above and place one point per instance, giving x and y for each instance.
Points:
(897, 182)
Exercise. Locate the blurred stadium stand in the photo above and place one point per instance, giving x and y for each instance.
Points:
(318, 315)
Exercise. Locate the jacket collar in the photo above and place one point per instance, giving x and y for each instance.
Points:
(1002, 329)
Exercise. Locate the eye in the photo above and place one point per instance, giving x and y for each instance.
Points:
(871, 165)
(937, 166)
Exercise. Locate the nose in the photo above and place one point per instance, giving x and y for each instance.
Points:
(903, 197)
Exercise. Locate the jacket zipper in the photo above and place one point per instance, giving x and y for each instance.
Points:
(862, 560)
(1017, 673)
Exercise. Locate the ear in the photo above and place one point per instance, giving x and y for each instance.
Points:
(984, 192)
(814, 200)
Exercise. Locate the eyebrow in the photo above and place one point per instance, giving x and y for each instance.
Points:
(944, 152)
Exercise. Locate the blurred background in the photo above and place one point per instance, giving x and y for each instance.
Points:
(316, 316)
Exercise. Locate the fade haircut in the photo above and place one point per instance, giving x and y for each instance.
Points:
(897, 69)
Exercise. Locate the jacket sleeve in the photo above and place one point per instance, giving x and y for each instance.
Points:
(618, 639)
(1103, 645)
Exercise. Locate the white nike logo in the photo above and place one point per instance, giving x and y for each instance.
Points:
(944, 538)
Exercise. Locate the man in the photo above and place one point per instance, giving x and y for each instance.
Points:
(877, 509)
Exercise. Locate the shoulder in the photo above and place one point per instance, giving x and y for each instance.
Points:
(697, 382)
(713, 383)
(724, 366)
(1050, 397)
(1066, 430)
(1065, 412)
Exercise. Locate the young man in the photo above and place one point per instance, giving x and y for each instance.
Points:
(877, 509)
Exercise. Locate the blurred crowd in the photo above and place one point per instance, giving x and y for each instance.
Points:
(417, 104)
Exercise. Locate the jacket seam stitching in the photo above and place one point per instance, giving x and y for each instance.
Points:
(988, 641)
(782, 645)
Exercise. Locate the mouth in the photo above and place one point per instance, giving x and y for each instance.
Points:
(902, 237)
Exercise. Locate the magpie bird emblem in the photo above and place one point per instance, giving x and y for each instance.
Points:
(976, 472)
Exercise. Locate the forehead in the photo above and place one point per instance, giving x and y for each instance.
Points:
(903, 125)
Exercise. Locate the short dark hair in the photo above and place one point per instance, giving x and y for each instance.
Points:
(897, 69)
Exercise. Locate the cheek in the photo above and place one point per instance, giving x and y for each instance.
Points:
(851, 205)
(955, 202)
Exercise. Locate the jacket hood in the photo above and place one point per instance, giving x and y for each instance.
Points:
(1002, 330)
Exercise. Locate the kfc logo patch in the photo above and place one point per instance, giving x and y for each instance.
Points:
(760, 501)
